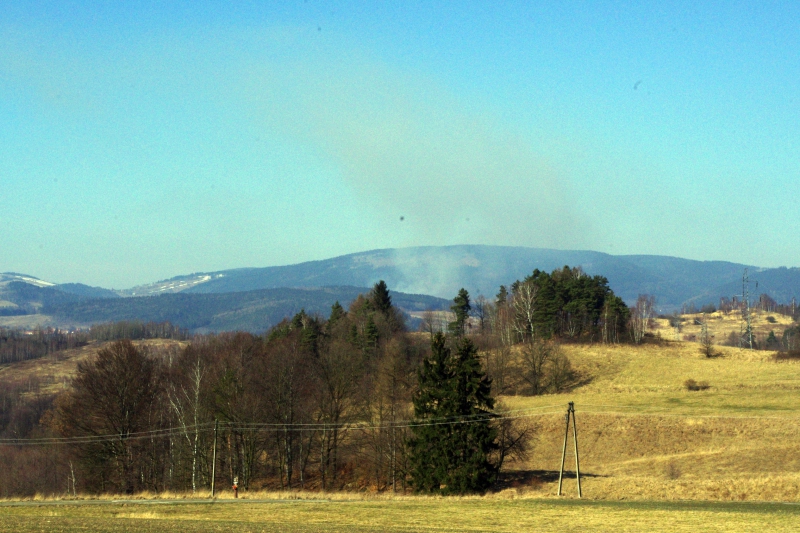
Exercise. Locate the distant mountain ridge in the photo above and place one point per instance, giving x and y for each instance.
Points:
(442, 270)
(254, 311)
(438, 271)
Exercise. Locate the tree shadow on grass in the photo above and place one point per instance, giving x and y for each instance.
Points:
(533, 478)
(579, 380)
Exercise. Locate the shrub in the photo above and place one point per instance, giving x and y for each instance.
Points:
(792, 355)
(772, 342)
(672, 470)
(561, 373)
(708, 308)
(734, 339)
(771, 319)
(693, 385)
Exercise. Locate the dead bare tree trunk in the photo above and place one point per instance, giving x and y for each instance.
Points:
(523, 303)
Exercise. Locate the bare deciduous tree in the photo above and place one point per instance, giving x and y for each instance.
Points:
(339, 370)
(432, 322)
(112, 394)
(560, 372)
(535, 358)
(184, 394)
(641, 316)
(523, 303)
(481, 309)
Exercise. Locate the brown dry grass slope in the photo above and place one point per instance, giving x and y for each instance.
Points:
(643, 435)
(721, 325)
(51, 374)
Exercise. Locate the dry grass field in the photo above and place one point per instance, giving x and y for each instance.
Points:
(721, 325)
(408, 514)
(643, 435)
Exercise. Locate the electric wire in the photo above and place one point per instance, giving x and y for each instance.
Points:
(255, 427)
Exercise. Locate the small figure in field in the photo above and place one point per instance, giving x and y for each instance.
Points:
(235, 487)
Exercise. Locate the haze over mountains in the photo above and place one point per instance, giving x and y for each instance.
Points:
(442, 270)
(256, 298)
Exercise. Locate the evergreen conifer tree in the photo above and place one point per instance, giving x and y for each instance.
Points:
(370, 334)
(461, 308)
(337, 312)
(502, 296)
(452, 445)
(380, 299)
(299, 320)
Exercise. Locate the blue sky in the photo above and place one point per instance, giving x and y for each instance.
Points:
(139, 142)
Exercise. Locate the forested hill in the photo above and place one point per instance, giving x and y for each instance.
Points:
(254, 311)
(443, 270)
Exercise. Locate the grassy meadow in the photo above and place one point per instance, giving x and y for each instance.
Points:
(405, 514)
(721, 324)
(644, 436)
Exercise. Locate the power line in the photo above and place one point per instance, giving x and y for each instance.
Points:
(254, 426)
(513, 414)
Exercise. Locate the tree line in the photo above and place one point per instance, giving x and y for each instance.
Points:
(137, 330)
(313, 403)
(16, 345)
(566, 304)
(354, 401)
(519, 332)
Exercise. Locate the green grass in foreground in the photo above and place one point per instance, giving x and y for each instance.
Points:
(404, 515)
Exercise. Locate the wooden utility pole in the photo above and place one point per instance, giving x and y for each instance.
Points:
(563, 453)
(747, 316)
(214, 460)
(570, 411)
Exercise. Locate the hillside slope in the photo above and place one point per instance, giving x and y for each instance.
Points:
(253, 311)
(643, 435)
(443, 270)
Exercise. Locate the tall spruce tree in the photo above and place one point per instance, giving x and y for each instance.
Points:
(461, 308)
(380, 301)
(502, 296)
(452, 445)
(380, 298)
(337, 313)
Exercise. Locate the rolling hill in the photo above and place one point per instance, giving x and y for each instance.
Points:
(254, 298)
(442, 270)
(254, 311)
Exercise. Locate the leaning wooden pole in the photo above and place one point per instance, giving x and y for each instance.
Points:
(575, 436)
(214, 460)
(563, 454)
